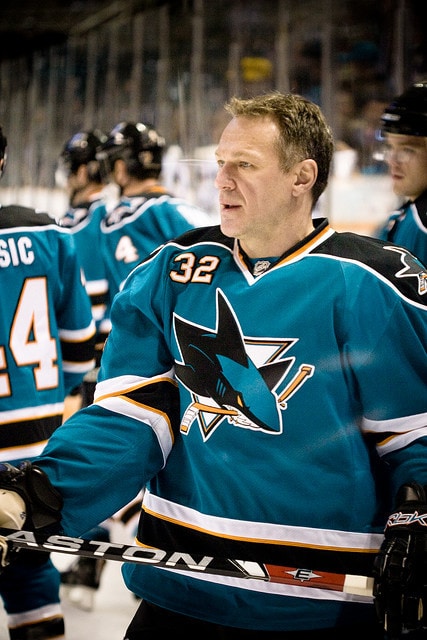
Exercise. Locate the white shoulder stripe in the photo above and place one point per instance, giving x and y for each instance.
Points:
(158, 421)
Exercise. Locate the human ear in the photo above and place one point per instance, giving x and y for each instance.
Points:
(82, 174)
(305, 175)
(120, 173)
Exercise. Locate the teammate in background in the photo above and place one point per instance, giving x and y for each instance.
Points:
(47, 342)
(269, 417)
(78, 172)
(146, 215)
(404, 129)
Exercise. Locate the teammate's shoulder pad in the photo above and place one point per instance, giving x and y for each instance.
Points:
(15, 215)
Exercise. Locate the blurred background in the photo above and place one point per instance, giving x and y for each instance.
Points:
(69, 66)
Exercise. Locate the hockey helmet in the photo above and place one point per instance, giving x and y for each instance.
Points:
(3, 152)
(133, 141)
(81, 148)
(407, 113)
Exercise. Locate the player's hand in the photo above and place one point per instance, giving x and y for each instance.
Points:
(37, 503)
(12, 510)
(26, 497)
(12, 516)
(400, 569)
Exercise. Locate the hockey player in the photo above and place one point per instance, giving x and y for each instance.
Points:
(78, 173)
(47, 343)
(146, 215)
(265, 381)
(404, 129)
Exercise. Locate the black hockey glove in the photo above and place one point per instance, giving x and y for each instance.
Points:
(26, 497)
(400, 568)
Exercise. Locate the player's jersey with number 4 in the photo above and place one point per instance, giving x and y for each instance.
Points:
(138, 225)
(46, 329)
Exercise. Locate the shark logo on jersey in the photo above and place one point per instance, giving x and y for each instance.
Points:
(413, 268)
(234, 377)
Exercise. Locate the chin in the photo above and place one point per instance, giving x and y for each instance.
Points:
(399, 190)
(229, 229)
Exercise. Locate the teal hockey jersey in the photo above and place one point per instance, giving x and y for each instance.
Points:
(46, 329)
(407, 227)
(84, 222)
(270, 417)
(139, 224)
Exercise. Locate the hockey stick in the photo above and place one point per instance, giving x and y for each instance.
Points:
(352, 584)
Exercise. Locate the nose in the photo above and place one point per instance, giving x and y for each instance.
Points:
(222, 179)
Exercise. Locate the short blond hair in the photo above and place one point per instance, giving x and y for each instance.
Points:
(304, 132)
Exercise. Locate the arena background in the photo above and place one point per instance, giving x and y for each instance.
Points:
(68, 66)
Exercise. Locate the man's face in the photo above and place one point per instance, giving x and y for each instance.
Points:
(406, 157)
(253, 189)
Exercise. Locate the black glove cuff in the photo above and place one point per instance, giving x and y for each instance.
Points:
(410, 513)
(42, 501)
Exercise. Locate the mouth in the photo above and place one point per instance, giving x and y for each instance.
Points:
(227, 206)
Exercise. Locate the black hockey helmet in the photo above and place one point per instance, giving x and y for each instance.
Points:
(407, 113)
(3, 150)
(81, 149)
(131, 141)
